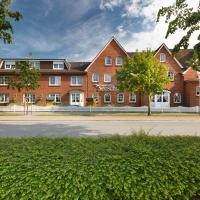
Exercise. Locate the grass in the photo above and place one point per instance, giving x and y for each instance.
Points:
(136, 167)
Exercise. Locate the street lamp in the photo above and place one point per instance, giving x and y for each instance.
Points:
(198, 74)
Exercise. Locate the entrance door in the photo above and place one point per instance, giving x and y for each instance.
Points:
(161, 100)
(77, 99)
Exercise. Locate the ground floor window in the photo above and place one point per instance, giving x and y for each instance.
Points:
(29, 97)
(4, 98)
(55, 97)
(132, 98)
(107, 98)
(96, 96)
(120, 98)
(177, 98)
(198, 91)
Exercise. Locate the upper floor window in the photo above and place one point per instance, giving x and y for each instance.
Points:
(162, 57)
(29, 98)
(76, 80)
(35, 64)
(107, 78)
(120, 98)
(10, 65)
(3, 80)
(118, 60)
(55, 80)
(58, 65)
(95, 77)
(132, 98)
(170, 74)
(4, 98)
(108, 60)
(198, 91)
(177, 98)
(107, 98)
(55, 98)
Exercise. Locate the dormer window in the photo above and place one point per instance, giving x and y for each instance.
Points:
(118, 60)
(35, 64)
(58, 65)
(108, 60)
(10, 65)
(170, 74)
(162, 57)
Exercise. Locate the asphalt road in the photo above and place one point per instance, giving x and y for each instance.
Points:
(92, 126)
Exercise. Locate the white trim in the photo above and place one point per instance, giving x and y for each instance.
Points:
(93, 81)
(197, 87)
(165, 57)
(1, 64)
(113, 38)
(165, 46)
(129, 98)
(81, 78)
(55, 94)
(50, 84)
(5, 95)
(105, 77)
(116, 61)
(4, 84)
(171, 78)
(178, 93)
(58, 63)
(118, 99)
(105, 61)
(104, 98)
(186, 70)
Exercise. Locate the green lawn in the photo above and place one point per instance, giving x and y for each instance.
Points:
(112, 168)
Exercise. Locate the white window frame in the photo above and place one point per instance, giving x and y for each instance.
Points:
(105, 98)
(35, 64)
(55, 96)
(31, 97)
(118, 101)
(57, 83)
(106, 76)
(198, 91)
(57, 65)
(96, 96)
(130, 97)
(5, 98)
(4, 80)
(177, 93)
(10, 65)
(76, 81)
(171, 77)
(93, 77)
(116, 61)
(162, 57)
(106, 59)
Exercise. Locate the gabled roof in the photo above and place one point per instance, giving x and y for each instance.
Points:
(112, 39)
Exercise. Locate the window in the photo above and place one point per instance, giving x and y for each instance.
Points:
(9, 64)
(76, 80)
(132, 98)
(95, 77)
(3, 80)
(35, 64)
(170, 74)
(162, 57)
(198, 91)
(4, 98)
(120, 98)
(107, 98)
(177, 98)
(55, 97)
(55, 80)
(96, 96)
(58, 65)
(107, 78)
(29, 97)
(118, 60)
(108, 60)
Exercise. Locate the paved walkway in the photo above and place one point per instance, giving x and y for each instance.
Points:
(18, 126)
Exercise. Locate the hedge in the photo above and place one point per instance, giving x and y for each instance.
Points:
(137, 167)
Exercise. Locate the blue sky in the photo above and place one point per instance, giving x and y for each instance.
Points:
(78, 29)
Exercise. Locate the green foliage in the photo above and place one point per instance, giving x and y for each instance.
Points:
(6, 29)
(27, 77)
(143, 73)
(113, 168)
(180, 16)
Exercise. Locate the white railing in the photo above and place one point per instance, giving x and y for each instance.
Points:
(125, 109)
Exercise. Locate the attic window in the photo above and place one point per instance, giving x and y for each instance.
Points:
(9, 64)
(58, 65)
(162, 57)
(108, 60)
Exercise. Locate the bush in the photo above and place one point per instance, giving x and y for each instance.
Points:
(111, 168)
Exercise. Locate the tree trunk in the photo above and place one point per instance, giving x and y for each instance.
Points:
(149, 105)
(24, 105)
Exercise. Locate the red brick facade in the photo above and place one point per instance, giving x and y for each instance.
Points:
(184, 81)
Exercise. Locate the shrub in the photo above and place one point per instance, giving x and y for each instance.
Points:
(111, 168)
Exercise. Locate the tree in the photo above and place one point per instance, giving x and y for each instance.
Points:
(6, 29)
(143, 73)
(181, 17)
(26, 78)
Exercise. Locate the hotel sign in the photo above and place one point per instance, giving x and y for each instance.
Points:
(106, 87)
